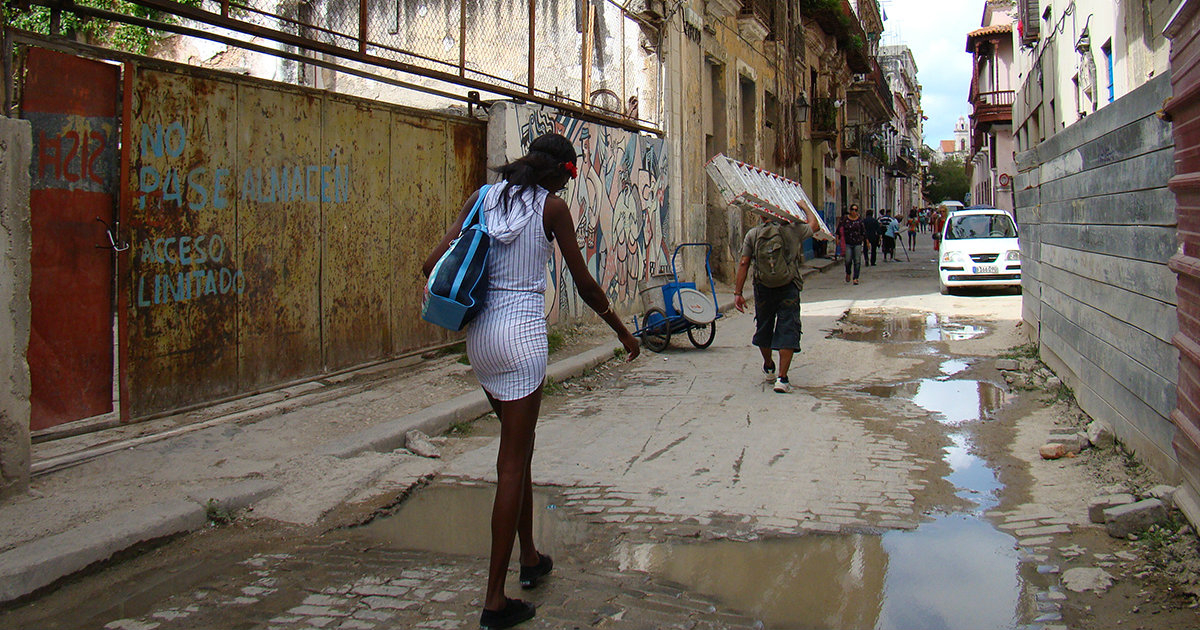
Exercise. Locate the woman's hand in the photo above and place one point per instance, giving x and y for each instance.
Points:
(632, 347)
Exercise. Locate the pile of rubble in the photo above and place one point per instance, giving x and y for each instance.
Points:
(1068, 442)
(1028, 374)
(1125, 515)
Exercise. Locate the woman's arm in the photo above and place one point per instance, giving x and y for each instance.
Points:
(451, 234)
(562, 227)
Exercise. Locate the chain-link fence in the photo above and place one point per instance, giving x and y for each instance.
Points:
(585, 55)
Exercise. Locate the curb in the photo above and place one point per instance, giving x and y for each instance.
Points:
(390, 435)
(34, 565)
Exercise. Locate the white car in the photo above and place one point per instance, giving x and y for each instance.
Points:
(979, 248)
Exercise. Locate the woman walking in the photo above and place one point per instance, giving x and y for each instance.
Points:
(854, 234)
(507, 346)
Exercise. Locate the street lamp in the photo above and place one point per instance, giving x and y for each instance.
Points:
(801, 106)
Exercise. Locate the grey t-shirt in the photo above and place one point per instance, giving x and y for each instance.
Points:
(794, 234)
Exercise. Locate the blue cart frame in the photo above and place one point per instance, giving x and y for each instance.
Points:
(658, 324)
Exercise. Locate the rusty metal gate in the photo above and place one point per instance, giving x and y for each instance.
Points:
(1184, 110)
(72, 104)
(275, 232)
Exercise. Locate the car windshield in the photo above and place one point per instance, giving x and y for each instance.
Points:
(981, 226)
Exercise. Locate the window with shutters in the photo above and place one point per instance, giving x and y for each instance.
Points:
(1029, 18)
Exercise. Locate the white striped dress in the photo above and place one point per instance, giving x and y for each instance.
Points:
(506, 342)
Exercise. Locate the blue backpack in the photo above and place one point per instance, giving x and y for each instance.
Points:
(457, 287)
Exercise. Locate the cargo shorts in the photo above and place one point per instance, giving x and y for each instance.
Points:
(777, 317)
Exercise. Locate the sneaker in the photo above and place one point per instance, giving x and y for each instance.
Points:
(782, 385)
(769, 369)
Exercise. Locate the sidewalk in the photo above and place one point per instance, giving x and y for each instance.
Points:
(292, 455)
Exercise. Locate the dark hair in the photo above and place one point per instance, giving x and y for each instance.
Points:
(547, 154)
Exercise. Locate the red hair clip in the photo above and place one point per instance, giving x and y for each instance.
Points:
(569, 167)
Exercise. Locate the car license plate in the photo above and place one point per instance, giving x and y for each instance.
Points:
(987, 269)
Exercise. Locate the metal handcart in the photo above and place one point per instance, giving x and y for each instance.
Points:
(675, 307)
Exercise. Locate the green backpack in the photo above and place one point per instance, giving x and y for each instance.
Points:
(772, 265)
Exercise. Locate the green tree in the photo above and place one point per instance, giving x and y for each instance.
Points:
(136, 39)
(946, 180)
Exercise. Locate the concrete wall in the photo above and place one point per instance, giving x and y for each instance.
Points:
(16, 147)
(619, 201)
(1097, 230)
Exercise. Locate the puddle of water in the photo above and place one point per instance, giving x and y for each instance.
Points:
(953, 366)
(457, 520)
(952, 401)
(918, 327)
(953, 572)
(975, 481)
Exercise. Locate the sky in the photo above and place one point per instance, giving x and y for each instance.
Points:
(936, 31)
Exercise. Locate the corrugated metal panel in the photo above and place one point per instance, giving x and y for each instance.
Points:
(184, 273)
(429, 194)
(324, 208)
(355, 286)
(279, 233)
(1184, 109)
(72, 105)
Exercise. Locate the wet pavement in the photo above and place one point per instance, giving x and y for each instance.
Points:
(670, 496)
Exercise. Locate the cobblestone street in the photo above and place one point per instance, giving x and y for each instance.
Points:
(888, 490)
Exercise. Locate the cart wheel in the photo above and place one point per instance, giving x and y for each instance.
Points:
(702, 336)
(656, 330)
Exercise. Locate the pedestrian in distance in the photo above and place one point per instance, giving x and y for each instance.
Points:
(507, 345)
(871, 244)
(855, 233)
(840, 235)
(887, 228)
(891, 234)
(939, 223)
(913, 225)
(775, 249)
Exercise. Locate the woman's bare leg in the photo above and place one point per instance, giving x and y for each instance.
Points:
(529, 553)
(518, 418)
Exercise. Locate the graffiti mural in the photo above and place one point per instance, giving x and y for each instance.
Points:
(619, 203)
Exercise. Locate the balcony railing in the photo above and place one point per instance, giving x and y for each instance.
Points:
(993, 106)
(824, 119)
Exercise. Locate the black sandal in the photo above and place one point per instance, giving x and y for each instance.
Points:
(531, 575)
(515, 611)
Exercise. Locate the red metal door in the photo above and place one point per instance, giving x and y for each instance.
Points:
(1184, 110)
(72, 104)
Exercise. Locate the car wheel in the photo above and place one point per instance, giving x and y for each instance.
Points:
(945, 290)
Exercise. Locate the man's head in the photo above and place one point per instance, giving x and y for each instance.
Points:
(870, 213)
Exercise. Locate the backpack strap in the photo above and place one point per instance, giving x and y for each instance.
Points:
(476, 213)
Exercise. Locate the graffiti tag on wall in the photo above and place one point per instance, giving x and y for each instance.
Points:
(619, 203)
(193, 266)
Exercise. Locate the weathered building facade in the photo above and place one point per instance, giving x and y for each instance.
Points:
(903, 133)
(990, 167)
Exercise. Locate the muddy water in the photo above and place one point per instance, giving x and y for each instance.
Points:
(879, 327)
(456, 520)
(955, 570)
